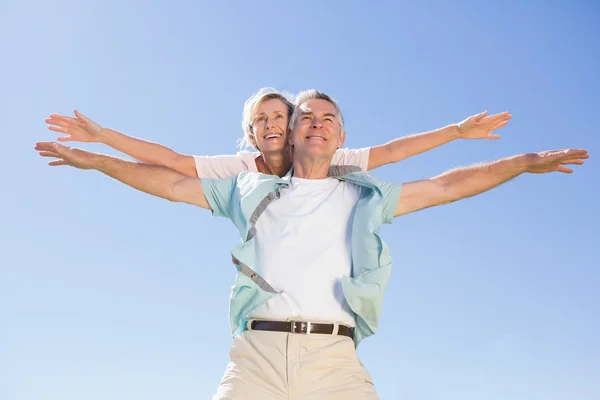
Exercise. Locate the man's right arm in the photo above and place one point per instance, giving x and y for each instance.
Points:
(155, 180)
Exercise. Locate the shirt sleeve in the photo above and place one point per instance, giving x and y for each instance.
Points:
(219, 167)
(358, 157)
(220, 195)
(391, 198)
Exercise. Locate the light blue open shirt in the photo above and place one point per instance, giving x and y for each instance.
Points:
(244, 197)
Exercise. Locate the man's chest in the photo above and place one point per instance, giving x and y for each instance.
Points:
(310, 210)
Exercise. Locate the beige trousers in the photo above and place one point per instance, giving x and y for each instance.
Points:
(277, 365)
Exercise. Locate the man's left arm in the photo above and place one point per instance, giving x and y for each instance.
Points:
(477, 126)
(461, 183)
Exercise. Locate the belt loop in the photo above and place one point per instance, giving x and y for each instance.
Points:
(249, 324)
(336, 328)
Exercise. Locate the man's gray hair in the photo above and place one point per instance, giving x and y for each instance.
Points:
(312, 94)
(250, 107)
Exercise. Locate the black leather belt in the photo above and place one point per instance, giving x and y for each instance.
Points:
(300, 327)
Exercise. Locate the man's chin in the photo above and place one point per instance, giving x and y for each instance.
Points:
(315, 153)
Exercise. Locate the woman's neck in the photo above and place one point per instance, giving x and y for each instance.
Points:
(274, 163)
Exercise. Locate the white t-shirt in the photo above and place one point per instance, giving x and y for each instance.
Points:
(231, 165)
(312, 219)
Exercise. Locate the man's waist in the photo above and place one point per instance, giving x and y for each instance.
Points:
(301, 327)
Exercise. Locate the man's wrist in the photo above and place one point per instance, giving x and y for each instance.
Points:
(99, 162)
(519, 163)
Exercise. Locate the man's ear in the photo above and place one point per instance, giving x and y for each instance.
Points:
(341, 139)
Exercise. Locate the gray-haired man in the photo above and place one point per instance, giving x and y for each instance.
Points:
(312, 269)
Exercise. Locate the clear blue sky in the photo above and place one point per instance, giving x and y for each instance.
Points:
(494, 297)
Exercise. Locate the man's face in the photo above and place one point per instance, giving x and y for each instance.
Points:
(270, 125)
(317, 129)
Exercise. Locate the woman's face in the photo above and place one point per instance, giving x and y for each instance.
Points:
(270, 126)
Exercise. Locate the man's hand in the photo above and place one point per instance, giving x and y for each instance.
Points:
(81, 128)
(555, 160)
(480, 126)
(65, 155)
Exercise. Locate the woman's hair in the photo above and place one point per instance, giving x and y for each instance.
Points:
(250, 107)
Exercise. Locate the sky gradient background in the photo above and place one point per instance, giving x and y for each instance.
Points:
(102, 287)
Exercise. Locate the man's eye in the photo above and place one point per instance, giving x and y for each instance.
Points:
(305, 117)
(259, 119)
(328, 119)
(278, 116)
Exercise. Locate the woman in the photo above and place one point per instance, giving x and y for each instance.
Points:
(265, 122)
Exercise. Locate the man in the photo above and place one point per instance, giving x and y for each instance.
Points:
(311, 268)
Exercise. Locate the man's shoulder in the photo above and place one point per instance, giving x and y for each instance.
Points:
(366, 179)
(253, 181)
(352, 174)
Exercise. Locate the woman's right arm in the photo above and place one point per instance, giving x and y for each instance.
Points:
(83, 129)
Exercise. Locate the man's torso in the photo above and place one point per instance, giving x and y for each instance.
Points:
(303, 247)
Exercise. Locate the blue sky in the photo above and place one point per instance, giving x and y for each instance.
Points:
(102, 287)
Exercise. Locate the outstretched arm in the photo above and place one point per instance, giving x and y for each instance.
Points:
(477, 126)
(461, 183)
(155, 180)
(83, 129)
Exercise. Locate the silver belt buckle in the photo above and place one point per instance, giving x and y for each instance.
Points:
(293, 326)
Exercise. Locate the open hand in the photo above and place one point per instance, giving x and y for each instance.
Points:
(65, 155)
(480, 126)
(81, 128)
(555, 160)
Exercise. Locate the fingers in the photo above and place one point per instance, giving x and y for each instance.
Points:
(566, 170)
(572, 162)
(59, 130)
(572, 155)
(59, 149)
(49, 154)
(62, 120)
(57, 163)
(51, 147)
(43, 146)
(566, 154)
(81, 116)
(574, 151)
(505, 115)
(499, 125)
(480, 116)
(58, 122)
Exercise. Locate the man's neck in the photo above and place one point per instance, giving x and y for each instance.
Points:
(311, 168)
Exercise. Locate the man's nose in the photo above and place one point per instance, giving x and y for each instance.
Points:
(316, 123)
